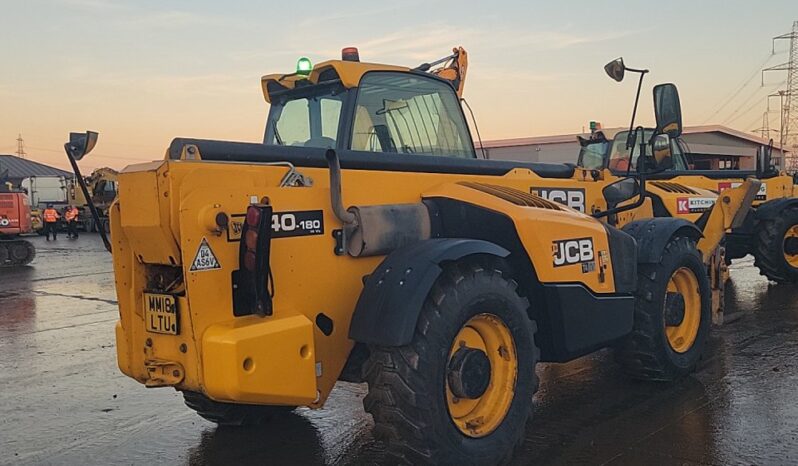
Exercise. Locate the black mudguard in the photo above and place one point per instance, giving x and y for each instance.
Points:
(771, 209)
(652, 235)
(391, 300)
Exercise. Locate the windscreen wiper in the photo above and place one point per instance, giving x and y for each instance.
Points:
(277, 133)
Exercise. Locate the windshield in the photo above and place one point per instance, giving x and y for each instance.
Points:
(305, 118)
(409, 114)
(619, 154)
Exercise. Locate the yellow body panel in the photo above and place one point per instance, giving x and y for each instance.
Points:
(161, 217)
(273, 353)
(772, 188)
(559, 225)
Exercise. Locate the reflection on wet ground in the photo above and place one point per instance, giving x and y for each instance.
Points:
(63, 401)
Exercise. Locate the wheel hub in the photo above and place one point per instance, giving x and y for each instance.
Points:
(469, 373)
(674, 309)
(19, 252)
(791, 246)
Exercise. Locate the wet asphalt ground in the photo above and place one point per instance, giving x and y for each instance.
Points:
(63, 401)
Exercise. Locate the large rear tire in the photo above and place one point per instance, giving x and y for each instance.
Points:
(233, 414)
(461, 391)
(776, 247)
(672, 315)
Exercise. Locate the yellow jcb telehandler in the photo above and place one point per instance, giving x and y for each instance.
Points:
(364, 241)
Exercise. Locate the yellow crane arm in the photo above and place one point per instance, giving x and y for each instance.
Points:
(454, 68)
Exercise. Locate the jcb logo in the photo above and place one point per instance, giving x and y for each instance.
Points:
(573, 198)
(572, 251)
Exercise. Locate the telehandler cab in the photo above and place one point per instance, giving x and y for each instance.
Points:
(364, 241)
(769, 231)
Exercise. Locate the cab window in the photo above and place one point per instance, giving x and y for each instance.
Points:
(409, 114)
(307, 117)
(619, 154)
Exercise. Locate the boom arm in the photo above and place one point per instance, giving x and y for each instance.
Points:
(454, 68)
(729, 212)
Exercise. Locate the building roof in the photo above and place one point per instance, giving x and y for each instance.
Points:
(610, 133)
(19, 168)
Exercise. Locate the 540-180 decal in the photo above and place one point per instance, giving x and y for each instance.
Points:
(284, 224)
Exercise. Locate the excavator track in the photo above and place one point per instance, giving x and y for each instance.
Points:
(16, 253)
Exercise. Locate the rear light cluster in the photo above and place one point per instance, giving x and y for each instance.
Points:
(252, 293)
(254, 216)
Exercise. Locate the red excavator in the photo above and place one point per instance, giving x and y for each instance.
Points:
(14, 221)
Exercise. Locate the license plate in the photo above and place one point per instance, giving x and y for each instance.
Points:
(160, 313)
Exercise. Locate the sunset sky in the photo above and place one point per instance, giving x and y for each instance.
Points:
(143, 72)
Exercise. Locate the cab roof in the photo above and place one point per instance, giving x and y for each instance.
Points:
(348, 72)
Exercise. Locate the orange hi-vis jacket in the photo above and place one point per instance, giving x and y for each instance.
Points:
(71, 214)
(50, 215)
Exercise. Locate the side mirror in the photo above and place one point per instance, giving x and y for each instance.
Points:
(615, 69)
(81, 144)
(668, 110)
(622, 190)
(764, 160)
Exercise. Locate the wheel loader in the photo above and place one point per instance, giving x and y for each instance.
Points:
(101, 184)
(769, 231)
(364, 241)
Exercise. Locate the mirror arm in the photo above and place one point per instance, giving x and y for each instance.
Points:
(637, 101)
(89, 200)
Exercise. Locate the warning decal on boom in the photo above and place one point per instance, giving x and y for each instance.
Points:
(205, 259)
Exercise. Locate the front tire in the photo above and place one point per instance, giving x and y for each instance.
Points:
(461, 391)
(672, 315)
(776, 247)
(233, 414)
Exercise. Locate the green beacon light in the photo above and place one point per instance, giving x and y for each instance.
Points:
(303, 66)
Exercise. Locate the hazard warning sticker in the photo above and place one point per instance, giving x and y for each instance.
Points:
(205, 258)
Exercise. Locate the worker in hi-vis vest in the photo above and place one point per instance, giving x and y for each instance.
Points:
(71, 217)
(50, 217)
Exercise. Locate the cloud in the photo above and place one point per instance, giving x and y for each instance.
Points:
(214, 84)
(426, 42)
(167, 19)
(93, 4)
(140, 18)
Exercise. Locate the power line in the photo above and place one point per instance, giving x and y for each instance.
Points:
(729, 118)
(740, 89)
(92, 154)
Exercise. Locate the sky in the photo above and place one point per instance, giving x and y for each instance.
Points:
(144, 72)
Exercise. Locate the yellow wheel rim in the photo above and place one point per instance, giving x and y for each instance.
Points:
(791, 259)
(478, 417)
(682, 337)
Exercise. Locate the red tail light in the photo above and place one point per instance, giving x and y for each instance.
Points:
(252, 293)
(253, 216)
(250, 261)
(251, 240)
